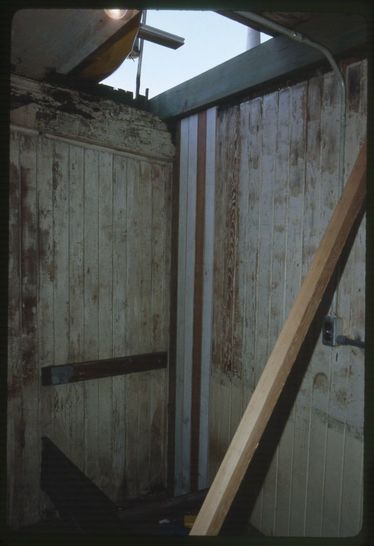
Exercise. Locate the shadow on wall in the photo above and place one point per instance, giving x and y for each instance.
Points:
(243, 505)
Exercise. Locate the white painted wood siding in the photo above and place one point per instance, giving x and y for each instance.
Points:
(89, 278)
(276, 187)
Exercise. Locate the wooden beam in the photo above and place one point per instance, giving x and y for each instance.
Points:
(271, 61)
(96, 369)
(284, 354)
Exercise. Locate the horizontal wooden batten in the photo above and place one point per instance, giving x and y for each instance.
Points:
(271, 61)
(97, 369)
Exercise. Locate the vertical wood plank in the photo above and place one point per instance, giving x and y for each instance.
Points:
(218, 419)
(105, 327)
(311, 237)
(250, 187)
(145, 381)
(254, 231)
(270, 114)
(91, 309)
(180, 487)
(137, 465)
(231, 357)
(296, 191)
(61, 399)
(61, 251)
(119, 303)
(330, 193)
(316, 373)
(278, 299)
(296, 186)
(220, 202)
(45, 307)
(14, 408)
(349, 391)
(160, 187)
(264, 267)
(28, 427)
(76, 301)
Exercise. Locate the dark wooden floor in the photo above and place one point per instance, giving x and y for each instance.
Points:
(143, 518)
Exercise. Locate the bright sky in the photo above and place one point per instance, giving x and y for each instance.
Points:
(210, 39)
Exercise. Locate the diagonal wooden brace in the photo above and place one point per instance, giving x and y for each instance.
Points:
(261, 405)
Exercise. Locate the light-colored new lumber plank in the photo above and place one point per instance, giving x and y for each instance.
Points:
(282, 358)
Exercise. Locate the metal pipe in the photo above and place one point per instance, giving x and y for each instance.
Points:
(160, 37)
(140, 58)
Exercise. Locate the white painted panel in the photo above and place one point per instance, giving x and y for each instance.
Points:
(185, 297)
(206, 343)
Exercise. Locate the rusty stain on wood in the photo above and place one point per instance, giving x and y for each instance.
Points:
(226, 346)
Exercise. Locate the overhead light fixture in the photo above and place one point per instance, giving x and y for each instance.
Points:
(116, 13)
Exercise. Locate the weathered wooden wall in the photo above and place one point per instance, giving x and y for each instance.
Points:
(89, 279)
(276, 185)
